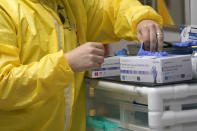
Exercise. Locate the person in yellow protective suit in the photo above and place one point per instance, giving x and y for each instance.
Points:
(45, 47)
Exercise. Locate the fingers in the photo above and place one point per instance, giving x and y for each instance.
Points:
(146, 38)
(97, 45)
(160, 38)
(96, 48)
(139, 36)
(96, 51)
(86, 57)
(96, 55)
(150, 33)
(153, 39)
(95, 62)
(98, 59)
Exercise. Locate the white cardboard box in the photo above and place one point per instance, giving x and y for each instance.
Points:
(156, 70)
(110, 67)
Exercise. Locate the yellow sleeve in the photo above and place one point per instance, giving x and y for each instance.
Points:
(23, 85)
(111, 20)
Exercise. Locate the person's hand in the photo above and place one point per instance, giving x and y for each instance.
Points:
(151, 34)
(86, 57)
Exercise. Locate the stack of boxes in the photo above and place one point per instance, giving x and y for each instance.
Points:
(148, 69)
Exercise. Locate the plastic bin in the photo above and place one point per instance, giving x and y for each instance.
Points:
(142, 108)
(136, 114)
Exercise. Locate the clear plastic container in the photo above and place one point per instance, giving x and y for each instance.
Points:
(113, 107)
(99, 104)
(136, 114)
(194, 62)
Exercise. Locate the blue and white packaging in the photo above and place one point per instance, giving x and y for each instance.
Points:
(152, 69)
(188, 33)
(110, 67)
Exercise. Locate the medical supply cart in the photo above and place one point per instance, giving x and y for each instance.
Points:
(133, 107)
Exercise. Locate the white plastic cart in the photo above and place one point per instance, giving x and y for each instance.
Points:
(142, 108)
